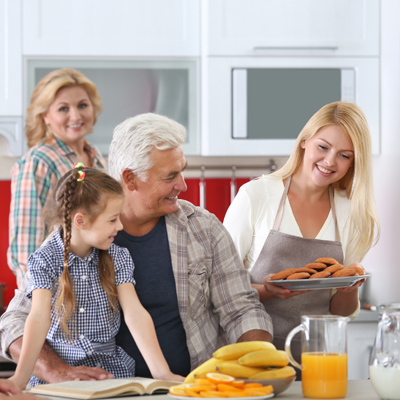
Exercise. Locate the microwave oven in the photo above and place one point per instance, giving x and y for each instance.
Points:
(258, 106)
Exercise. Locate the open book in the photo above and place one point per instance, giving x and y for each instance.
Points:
(105, 388)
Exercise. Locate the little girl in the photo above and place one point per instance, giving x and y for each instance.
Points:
(77, 278)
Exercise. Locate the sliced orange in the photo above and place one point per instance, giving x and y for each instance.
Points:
(252, 385)
(202, 381)
(216, 377)
(240, 393)
(191, 393)
(265, 389)
(178, 390)
(226, 387)
(238, 384)
(213, 393)
(199, 387)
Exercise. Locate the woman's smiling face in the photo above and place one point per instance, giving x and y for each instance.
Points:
(70, 115)
(328, 155)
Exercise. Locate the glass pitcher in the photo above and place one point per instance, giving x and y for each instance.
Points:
(384, 365)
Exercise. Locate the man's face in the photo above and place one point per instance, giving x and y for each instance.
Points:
(158, 196)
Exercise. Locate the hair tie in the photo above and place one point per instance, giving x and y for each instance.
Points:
(79, 165)
(82, 174)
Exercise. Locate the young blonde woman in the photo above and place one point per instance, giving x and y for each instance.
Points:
(320, 204)
(64, 107)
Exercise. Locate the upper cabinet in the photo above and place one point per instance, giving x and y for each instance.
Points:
(10, 58)
(287, 27)
(111, 28)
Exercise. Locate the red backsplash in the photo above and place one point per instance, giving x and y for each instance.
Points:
(218, 198)
(6, 276)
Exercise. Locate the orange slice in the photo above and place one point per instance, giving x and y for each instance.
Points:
(252, 385)
(237, 384)
(226, 387)
(213, 393)
(191, 393)
(216, 377)
(178, 390)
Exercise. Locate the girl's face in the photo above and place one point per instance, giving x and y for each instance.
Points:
(328, 155)
(70, 115)
(102, 231)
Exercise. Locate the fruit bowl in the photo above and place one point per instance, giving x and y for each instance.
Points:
(279, 385)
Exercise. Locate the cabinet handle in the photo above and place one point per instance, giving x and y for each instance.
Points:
(202, 186)
(261, 48)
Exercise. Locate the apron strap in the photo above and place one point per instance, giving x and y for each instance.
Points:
(279, 214)
(333, 208)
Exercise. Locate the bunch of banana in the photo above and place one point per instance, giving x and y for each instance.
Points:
(254, 360)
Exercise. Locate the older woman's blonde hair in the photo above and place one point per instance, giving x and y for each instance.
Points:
(358, 182)
(45, 92)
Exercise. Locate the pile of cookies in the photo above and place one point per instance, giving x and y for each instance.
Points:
(323, 267)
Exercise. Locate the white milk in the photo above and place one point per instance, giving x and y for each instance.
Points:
(386, 382)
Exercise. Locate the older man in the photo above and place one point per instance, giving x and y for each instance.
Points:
(187, 273)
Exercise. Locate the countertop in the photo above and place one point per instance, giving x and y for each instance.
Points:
(357, 390)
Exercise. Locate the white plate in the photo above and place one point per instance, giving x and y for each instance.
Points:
(323, 283)
(267, 396)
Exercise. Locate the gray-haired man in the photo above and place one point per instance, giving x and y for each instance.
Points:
(187, 273)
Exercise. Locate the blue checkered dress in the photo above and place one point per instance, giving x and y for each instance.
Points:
(93, 343)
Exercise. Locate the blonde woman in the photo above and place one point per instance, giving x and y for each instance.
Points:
(320, 204)
(64, 107)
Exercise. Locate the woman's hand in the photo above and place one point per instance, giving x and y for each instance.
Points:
(272, 292)
(356, 285)
(7, 386)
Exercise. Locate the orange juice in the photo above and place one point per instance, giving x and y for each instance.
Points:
(324, 375)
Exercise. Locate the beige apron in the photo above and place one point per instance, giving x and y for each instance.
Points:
(282, 251)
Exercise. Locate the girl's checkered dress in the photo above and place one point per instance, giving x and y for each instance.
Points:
(94, 326)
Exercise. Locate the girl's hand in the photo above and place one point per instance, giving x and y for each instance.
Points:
(17, 382)
(169, 376)
(8, 386)
(278, 292)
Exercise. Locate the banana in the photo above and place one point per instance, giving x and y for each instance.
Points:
(236, 350)
(275, 373)
(236, 370)
(202, 370)
(265, 358)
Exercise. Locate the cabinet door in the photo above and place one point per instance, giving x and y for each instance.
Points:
(361, 336)
(10, 58)
(109, 27)
(293, 27)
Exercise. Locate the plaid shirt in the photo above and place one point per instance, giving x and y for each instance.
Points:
(93, 343)
(216, 302)
(33, 178)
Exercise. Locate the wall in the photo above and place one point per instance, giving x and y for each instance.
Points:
(382, 260)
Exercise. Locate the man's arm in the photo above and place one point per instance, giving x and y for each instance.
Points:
(255, 334)
(242, 316)
(52, 369)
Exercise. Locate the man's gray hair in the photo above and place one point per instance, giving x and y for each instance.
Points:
(134, 139)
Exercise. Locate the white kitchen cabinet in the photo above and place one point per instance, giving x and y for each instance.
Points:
(360, 341)
(111, 28)
(10, 58)
(293, 27)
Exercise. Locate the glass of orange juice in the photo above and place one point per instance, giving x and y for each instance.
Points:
(323, 356)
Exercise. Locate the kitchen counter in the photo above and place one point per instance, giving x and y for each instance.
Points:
(357, 390)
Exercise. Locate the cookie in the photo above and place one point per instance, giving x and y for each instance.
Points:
(333, 268)
(283, 274)
(344, 272)
(321, 274)
(309, 270)
(359, 270)
(317, 266)
(326, 260)
(298, 275)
